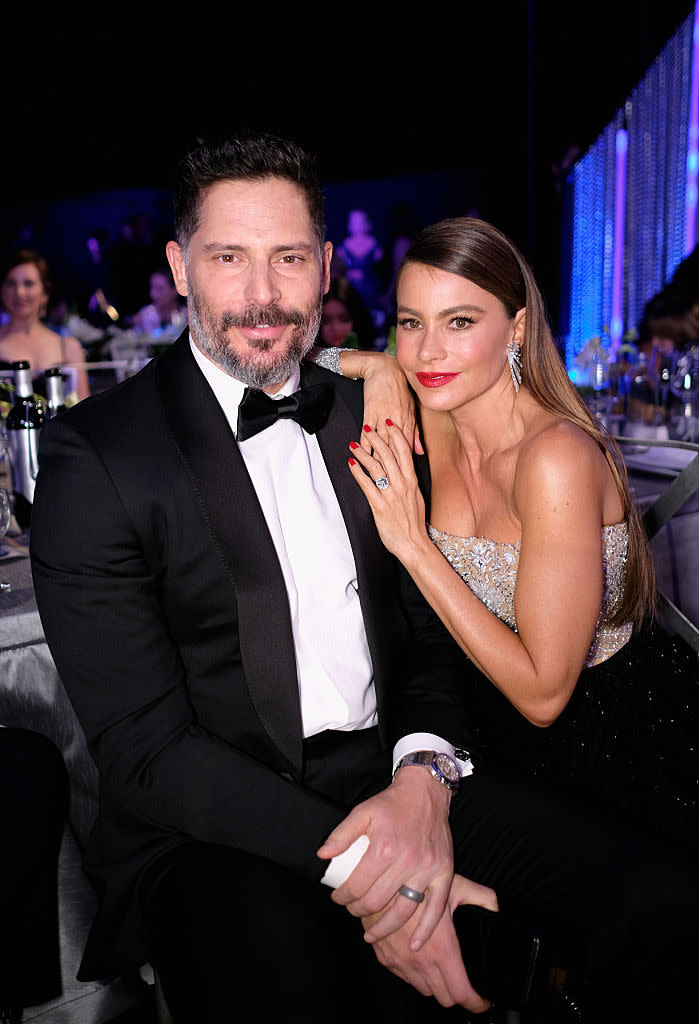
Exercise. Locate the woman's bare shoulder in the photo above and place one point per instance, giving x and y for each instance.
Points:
(558, 454)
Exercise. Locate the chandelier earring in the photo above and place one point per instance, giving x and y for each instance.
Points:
(514, 358)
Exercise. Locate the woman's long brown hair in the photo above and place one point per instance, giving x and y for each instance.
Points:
(478, 251)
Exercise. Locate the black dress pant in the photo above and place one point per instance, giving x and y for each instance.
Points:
(613, 907)
(33, 807)
(235, 936)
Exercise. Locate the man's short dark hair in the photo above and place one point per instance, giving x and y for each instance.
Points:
(245, 156)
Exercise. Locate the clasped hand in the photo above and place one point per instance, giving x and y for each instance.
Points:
(409, 844)
(437, 968)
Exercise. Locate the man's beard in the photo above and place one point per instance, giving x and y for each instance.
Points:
(250, 366)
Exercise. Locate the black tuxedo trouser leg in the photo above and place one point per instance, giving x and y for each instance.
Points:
(611, 905)
(236, 937)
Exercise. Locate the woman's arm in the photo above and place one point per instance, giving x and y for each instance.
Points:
(76, 354)
(386, 391)
(558, 498)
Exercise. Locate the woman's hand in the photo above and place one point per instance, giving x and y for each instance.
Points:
(436, 967)
(386, 392)
(398, 508)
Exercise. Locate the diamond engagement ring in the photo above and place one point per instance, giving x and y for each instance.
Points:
(382, 483)
(411, 894)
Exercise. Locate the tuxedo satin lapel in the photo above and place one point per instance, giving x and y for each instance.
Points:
(375, 569)
(239, 531)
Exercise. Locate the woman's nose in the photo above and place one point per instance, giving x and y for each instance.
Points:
(431, 347)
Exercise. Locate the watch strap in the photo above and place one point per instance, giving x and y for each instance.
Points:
(428, 758)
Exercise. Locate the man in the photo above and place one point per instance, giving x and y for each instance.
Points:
(243, 654)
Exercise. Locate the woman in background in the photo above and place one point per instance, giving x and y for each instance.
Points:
(345, 320)
(24, 290)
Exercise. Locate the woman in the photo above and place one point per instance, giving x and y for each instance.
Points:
(25, 290)
(528, 544)
(361, 255)
(345, 321)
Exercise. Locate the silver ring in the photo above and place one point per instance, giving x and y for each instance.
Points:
(411, 894)
(382, 483)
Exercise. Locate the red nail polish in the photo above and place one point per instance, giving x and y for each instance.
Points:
(389, 423)
(353, 462)
(353, 444)
(367, 429)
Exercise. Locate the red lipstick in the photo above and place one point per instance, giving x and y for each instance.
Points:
(435, 380)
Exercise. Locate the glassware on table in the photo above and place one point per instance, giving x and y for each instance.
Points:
(684, 383)
(5, 517)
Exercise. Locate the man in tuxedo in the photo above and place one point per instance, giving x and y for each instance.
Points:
(250, 666)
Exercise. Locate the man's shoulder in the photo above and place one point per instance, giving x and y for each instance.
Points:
(110, 412)
(311, 373)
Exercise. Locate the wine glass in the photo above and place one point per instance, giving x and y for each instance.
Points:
(5, 517)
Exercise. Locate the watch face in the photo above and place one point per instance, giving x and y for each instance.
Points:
(447, 767)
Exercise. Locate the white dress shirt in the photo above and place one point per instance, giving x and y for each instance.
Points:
(287, 470)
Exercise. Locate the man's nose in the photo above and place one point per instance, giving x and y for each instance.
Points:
(261, 286)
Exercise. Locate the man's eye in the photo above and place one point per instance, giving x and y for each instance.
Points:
(227, 257)
(290, 259)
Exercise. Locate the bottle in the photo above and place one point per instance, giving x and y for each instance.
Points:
(55, 392)
(24, 422)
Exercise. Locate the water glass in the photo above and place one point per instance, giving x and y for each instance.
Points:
(5, 517)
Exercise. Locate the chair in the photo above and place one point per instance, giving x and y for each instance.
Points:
(683, 486)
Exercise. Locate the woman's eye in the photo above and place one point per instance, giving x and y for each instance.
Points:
(461, 322)
(409, 323)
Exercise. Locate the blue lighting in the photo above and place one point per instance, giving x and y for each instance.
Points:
(690, 214)
(634, 201)
(616, 328)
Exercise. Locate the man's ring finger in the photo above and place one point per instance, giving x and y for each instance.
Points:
(382, 483)
(411, 894)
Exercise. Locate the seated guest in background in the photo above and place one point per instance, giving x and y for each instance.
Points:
(531, 549)
(260, 726)
(669, 323)
(345, 321)
(33, 809)
(165, 310)
(25, 287)
(361, 255)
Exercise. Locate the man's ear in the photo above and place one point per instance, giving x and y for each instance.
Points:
(176, 261)
(326, 258)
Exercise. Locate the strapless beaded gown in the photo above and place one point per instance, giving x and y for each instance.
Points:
(628, 740)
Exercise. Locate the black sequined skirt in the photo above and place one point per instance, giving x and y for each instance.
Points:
(627, 743)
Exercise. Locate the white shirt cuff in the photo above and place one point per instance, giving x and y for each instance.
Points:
(341, 867)
(428, 741)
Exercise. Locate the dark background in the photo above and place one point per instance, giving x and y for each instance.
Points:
(489, 98)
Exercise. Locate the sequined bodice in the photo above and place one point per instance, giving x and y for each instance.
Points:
(489, 568)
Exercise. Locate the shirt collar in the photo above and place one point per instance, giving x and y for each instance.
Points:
(229, 391)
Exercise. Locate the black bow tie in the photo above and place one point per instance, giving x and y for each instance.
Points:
(310, 407)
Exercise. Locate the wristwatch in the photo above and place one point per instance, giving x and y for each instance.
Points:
(444, 768)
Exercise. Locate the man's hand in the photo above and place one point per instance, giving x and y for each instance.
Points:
(437, 968)
(409, 844)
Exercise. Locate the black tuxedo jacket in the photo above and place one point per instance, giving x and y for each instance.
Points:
(165, 610)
